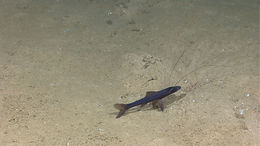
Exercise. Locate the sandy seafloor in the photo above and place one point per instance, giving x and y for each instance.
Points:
(64, 63)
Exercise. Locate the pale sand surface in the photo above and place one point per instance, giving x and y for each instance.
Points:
(64, 63)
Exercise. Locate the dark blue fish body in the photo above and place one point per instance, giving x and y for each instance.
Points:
(156, 96)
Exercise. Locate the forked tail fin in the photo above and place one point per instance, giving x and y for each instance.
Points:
(122, 108)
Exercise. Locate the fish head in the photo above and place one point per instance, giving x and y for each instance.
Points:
(174, 89)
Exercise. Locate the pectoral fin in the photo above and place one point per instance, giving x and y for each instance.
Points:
(161, 105)
(158, 103)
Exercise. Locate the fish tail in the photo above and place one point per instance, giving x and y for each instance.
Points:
(122, 108)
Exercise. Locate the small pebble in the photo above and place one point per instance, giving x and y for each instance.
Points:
(241, 112)
(100, 129)
(109, 12)
(247, 94)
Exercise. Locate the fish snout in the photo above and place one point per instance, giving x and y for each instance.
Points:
(175, 89)
(178, 87)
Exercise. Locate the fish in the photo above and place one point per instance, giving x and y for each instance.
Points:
(151, 96)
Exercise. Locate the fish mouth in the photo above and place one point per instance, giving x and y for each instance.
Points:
(175, 89)
(178, 87)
